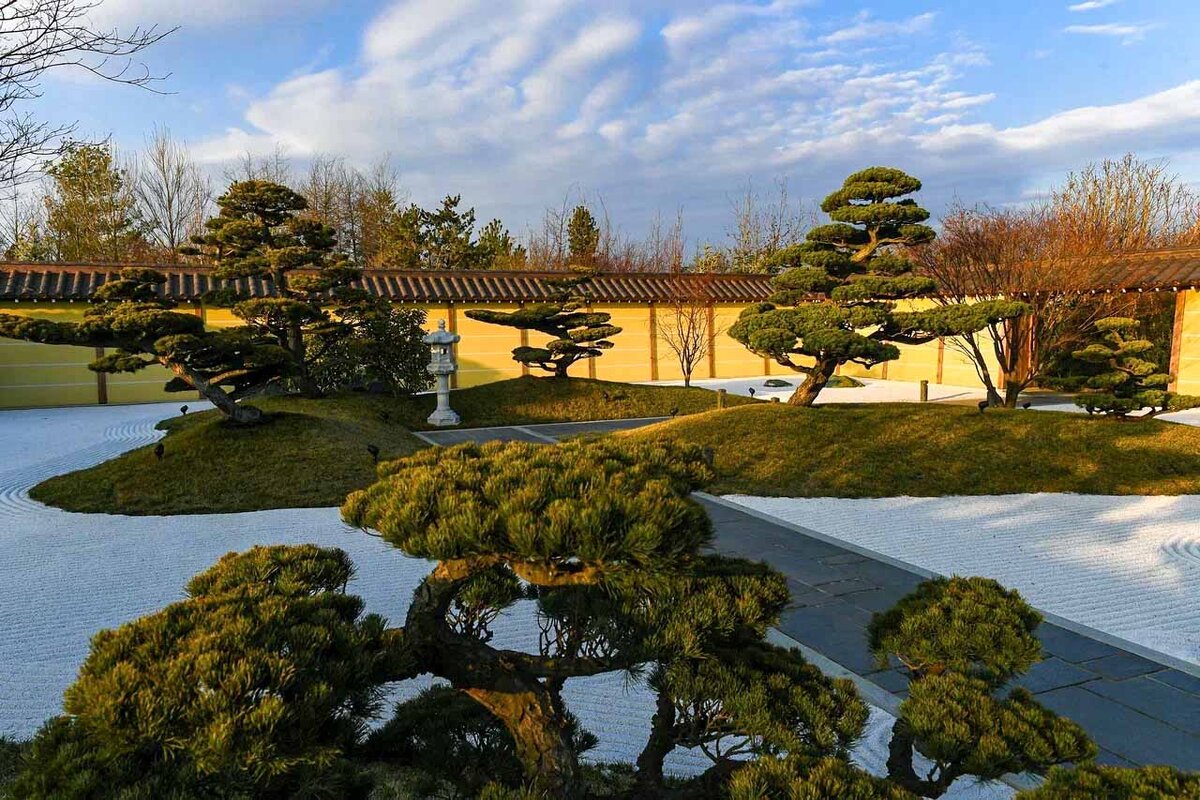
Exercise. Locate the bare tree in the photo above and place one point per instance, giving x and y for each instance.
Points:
(173, 194)
(688, 327)
(40, 36)
(1048, 255)
(764, 224)
(275, 167)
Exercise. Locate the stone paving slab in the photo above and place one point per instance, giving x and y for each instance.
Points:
(1137, 710)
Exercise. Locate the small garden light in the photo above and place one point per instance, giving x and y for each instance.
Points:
(159, 450)
(183, 410)
(982, 405)
(374, 451)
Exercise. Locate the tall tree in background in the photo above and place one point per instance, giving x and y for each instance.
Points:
(448, 236)
(840, 287)
(763, 226)
(172, 194)
(583, 238)
(260, 233)
(91, 209)
(46, 36)
(498, 249)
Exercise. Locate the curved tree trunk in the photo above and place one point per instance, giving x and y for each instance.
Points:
(658, 746)
(241, 414)
(900, 764)
(806, 393)
(528, 710)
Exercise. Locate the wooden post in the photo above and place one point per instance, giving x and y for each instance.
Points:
(1177, 338)
(712, 342)
(774, 399)
(101, 381)
(924, 391)
(452, 326)
(941, 357)
(653, 343)
(722, 398)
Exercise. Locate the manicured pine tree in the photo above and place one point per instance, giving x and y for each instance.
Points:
(130, 316)
(1091, 781)
(574, 334)
(261, 233)
(961, 641)
(1123, 380)
(605, 540)
(259, 684)
(835, 298)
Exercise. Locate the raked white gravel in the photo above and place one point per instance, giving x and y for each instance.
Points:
(65, 576)
(1127, 566)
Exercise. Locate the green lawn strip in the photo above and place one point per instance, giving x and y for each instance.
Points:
(889, 450)
(314, 452)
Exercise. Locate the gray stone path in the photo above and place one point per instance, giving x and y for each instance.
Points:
(1138, 710)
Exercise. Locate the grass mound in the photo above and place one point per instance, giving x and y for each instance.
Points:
(300, 459)
(314, 452)
(889, 450)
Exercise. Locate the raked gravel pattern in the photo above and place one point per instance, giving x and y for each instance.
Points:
(65, 576)
(1127, 566)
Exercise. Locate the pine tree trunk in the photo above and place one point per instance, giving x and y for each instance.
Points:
(538, 731)
(658, 746)
(900, 764)
(242, 415)
(806, 393)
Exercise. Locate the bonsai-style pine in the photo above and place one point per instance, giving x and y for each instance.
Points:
(602, 540)
(260, 232)
(1092, 781)
(961, 640)
(574, 334)
(259, 684)
(129, 316)
(1123, 379)
(835, 298)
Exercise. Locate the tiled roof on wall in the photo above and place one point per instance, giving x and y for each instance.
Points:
(78, 281)
(1171, 268)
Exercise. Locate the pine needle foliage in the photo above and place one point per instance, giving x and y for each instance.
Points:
(961, 641)
(604, 539)
(259, 684)
(797, 778)
(1123, 379)
(1116, 783)
(261, 232)
(130, 317)
(836, 294)
(575, 334)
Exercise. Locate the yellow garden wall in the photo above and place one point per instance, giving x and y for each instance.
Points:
(1185, 363)
(44, 375)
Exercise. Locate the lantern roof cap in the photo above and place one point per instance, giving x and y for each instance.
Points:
(441, 335)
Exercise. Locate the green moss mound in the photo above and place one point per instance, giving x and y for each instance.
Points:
(313, 453)
(933, 450)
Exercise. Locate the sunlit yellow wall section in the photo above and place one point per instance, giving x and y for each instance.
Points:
(1187, 369)
(732, 359)
(629, 359)
(43, 374)
(485, 352)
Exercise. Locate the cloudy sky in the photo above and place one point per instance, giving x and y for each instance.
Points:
(662, 104)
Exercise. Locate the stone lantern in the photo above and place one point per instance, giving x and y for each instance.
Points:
(442, 366)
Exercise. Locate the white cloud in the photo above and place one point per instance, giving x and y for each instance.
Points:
(198, 13)
(1092, 5)
(1127, 31)
(514, 106)
(867, 28)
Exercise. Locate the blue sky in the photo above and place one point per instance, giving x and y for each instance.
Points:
(662, 104)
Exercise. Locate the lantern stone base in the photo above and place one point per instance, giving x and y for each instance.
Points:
(444, 417)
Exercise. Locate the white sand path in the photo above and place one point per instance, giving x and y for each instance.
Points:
(66, 576)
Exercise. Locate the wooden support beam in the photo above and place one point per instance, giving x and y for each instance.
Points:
(941, 358)
(653, 342)
(712, 341)
(1177, 339)
(452, 327)
(101, 381)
